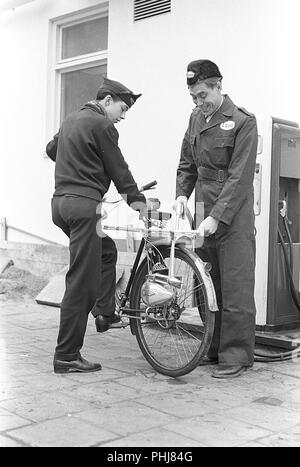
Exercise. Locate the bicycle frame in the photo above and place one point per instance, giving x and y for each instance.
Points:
(169, 297)
(175, 237)
(126, 294)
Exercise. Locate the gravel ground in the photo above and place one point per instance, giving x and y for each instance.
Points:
(18, 283)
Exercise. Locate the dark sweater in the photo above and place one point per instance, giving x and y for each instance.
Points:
(88, 157)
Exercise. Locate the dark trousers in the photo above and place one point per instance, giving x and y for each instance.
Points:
(91, 278)
(231, 252)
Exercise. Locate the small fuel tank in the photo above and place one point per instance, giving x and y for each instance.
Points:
(155, 294)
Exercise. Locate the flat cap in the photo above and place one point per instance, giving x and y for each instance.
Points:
(200, 70)
(119, 90)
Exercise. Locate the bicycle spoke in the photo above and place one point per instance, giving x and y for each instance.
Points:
(172, 336)
(187, 332)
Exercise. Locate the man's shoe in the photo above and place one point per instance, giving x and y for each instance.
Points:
(75, 366)
(228, 371)
(103, 323)
(208, 361)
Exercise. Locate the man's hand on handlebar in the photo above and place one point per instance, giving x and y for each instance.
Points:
(153, 204)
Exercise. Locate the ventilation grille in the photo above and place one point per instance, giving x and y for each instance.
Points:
(148, 8)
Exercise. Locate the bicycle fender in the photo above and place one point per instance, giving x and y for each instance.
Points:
(210, 290)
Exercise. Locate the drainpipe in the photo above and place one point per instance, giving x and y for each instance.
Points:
(12, 4)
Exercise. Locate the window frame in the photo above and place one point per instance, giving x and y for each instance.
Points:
(58, 66)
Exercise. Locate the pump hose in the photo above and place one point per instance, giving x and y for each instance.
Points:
(264, 356)
(289, 272)
(287, 230)
(260, 356)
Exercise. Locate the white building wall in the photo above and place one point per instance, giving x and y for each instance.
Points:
(26, 177)
(255, 43)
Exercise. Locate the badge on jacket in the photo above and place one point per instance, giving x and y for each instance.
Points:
(229, 125)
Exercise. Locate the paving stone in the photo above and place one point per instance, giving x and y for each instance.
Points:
(268, 387)
(155, 437)
(176, 403)
(130, 365)
(43, 407)
(13, 338)
(126, 418)
(27, 323)
(62, 432)
(9, 420)
(102, 393)
(280, 381)
(6, 442)
(134, 367)
(45, 383)
(19, 370)
(217, 430)
(7, 381)
(266, 416)
(289, 439)
(149, 383)
(254, 444)
(216, 398)
(291, 368)
(201, 376)
(128, 403)
(104, 375)
(291, 399)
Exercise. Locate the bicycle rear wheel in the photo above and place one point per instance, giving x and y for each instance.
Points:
(173, 337)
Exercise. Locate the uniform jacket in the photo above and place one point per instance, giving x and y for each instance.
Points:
(227, 142)
(88, 157)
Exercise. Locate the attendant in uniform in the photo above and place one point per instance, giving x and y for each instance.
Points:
(218, 160)
(87, 159)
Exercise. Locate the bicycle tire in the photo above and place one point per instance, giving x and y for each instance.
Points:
(176, 350)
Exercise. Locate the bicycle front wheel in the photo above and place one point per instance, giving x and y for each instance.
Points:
(173, 337)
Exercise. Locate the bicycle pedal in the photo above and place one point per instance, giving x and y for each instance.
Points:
(119, 325)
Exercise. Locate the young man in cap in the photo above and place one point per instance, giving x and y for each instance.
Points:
(218, 159)
(87, 159)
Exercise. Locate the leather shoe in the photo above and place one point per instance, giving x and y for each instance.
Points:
(103, 323)
(80, 365)
(208, 361)
(228, 371)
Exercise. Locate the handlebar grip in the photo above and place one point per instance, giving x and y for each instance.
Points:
(154, 204)
(148, 186)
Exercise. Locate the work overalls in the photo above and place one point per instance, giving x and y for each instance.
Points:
(218, 160)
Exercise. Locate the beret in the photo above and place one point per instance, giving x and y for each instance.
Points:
(200, 70)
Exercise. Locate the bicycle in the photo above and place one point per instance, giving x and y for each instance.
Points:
(169, 297)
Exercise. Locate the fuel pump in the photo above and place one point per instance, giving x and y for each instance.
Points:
(277, 210)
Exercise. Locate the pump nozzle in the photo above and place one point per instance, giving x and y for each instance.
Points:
(282, 207)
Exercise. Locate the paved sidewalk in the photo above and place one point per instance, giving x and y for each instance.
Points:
(127, 403)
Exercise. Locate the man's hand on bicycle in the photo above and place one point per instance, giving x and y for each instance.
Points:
(208, 226)
(153, 204)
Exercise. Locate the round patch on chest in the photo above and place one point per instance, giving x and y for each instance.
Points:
(229, 125)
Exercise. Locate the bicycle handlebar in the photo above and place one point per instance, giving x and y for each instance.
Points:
(148, 186)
